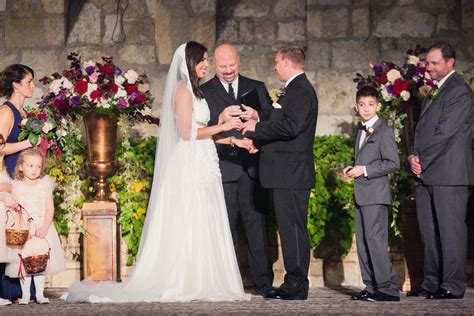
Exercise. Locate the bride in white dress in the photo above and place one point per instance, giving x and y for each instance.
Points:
(186, 251)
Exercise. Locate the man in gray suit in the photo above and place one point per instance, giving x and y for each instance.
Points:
(376, 156)
(442, 162)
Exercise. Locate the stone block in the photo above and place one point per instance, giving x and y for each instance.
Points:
(204, 30)
(139, 31)
(52, 6)
(207, 7)
(134, 54)
(403, 22)
(2, 32)
(249, 8)
(23, 8)
(8, 58)
(336, 92)
(167, 36)
(34, 32)
(94, 53)
(3, 5)
(447, 23)
(439, 4)
(136, 10)
(406, 2)
(87, 29)
(360, 22)
(394, 49)
(265, 32)
(228, 31)
(107, 6)
(467, 14)
(43, 62)
(329, 124)
(360, 3)
(354, 54)
(110, 21)
(285, 8)
(330, 2)
(291, 31)
(246, 31)
(330, 23)
(317, 56)
(64, 279)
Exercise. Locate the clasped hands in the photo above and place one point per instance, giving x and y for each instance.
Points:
(415, 165)
(237, 117)
(352, 172)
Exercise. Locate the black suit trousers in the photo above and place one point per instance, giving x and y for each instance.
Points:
(291, 209)
(441, 213)
(247, 198)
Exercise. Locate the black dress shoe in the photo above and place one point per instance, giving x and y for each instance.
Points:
(443, 294)
(413, 293)
(283, 295)
(361, 296)
(268, 293)
(382, 297)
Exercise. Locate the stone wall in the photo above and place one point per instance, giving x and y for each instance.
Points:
(342, 37)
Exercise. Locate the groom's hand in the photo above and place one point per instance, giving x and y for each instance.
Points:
(249, 126)
(229, 112)
(249, 113)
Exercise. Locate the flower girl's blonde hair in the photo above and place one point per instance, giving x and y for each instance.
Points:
(18, 174)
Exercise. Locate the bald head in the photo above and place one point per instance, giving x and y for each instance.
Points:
(226, 62)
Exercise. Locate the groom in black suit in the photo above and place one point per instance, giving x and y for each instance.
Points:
(287, 165)
(243, 192)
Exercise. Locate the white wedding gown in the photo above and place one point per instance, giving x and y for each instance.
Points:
(186, 251)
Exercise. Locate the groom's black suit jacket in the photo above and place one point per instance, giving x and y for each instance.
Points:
(286, 160)
(232, 161)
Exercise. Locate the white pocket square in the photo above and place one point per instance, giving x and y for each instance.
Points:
(276, 105)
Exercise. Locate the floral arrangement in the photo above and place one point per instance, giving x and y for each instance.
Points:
(41, 125)
(275, 94)
(97, 87)
(400, 87)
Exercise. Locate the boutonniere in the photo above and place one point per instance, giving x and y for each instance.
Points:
(433, 94)
(369, 131)
(277, 93)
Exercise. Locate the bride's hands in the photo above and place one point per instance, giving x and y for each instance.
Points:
(229, 112)
(245, 143)
(232, 123)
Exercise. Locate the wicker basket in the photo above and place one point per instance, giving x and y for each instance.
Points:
(15, 236)
(35, 264)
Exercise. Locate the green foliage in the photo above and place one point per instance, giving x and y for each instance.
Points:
(331, 204)
(131, 185)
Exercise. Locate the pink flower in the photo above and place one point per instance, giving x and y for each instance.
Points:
(47, 127)
(23, 122)
(94, 77)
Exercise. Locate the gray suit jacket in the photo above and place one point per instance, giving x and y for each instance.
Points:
(379, 155)
(443, 135)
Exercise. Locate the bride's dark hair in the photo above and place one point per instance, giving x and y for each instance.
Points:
(194, 55)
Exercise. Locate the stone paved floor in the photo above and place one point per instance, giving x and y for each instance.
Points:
(321, 301)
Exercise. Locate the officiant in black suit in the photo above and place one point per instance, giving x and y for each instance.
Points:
(243, 192)
(287, 165)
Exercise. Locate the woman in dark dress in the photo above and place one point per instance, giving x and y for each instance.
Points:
(16, 84)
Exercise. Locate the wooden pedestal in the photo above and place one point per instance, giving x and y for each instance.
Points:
(100, 247)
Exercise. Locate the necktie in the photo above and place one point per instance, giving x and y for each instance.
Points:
(230, 91)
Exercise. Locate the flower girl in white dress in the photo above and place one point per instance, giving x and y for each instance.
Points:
(35, 193)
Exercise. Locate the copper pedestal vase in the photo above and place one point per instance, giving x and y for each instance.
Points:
(101, 133)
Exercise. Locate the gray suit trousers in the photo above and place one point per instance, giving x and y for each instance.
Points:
(371, 223)
(441, 213)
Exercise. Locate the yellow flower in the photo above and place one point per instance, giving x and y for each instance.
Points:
(112, 187)
(138, 186)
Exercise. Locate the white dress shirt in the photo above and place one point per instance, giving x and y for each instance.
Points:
(363, 134)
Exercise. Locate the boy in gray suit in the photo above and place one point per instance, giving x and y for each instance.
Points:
(376, 156)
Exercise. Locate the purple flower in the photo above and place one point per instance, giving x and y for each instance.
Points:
(90, 69)
(122, 104)
(377, 69)
(118, 71)
(75, 100)
(391, 90)
(133, 96)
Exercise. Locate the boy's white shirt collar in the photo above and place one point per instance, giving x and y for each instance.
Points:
(442, 81)
(371, 122)
(291, 79)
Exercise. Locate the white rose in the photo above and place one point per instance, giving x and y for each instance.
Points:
(386, 96)
(104, 103)
(66, 83)
(121, 93)
(393, 75)
(405, 95)
(119, 80)
(413, 60)
(55, 86)
(47, 127)
(131, 76)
